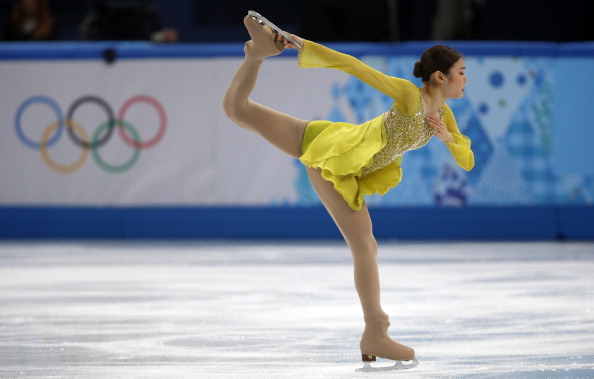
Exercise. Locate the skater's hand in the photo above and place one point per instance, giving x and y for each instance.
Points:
(289, 45)
(441, 131)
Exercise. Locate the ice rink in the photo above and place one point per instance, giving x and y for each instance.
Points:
(289, 310)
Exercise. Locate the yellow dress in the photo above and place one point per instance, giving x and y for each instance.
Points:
(365, 159)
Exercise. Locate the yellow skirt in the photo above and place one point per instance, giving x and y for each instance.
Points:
(341, 151)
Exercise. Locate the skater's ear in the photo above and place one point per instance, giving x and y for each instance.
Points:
(439, 77)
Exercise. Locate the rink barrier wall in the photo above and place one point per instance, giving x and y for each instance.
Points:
(143, 50)
(232, 223)
(273, 223)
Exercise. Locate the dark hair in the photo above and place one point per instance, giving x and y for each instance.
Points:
(436, 58)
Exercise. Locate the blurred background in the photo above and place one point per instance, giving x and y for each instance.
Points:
(336, 20)
(160, 68)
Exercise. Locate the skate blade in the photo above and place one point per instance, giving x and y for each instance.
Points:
(397, 366)
(274, 27)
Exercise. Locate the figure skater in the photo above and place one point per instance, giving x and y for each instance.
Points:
(345, 162)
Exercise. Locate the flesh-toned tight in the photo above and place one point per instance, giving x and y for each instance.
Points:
(286, 133)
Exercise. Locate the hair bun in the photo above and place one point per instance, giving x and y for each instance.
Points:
(418, 70)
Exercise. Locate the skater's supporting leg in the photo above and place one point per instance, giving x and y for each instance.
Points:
(356, 228)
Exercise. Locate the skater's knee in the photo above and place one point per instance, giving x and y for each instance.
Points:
(240, 115)
(364, 248)
(235, 110)
(230, 107)
(371, 246)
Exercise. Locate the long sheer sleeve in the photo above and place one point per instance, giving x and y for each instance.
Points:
(460, 149)
(316, 55)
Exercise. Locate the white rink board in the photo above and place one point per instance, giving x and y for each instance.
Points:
(202, 157)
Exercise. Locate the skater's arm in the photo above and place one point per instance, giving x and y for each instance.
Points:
(460, 148)
(315, 55)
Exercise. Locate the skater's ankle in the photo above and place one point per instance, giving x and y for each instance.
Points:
(382, 320)
(253, 60)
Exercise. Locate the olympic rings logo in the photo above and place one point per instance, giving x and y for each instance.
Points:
(80, 137)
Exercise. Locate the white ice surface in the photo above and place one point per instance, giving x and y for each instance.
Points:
(289, 310)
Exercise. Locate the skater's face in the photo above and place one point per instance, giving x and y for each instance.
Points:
(455, 80)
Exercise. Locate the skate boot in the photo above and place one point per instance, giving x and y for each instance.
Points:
(264, 42)
(275, 28)
(377, 343)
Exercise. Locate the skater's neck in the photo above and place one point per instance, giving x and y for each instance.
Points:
(433, 98)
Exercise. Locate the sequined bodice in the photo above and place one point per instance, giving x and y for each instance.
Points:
(403, 133)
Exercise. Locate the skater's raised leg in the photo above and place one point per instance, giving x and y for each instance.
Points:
(283, 131)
